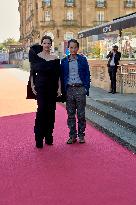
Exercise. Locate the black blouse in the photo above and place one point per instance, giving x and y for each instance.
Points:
(44, 72)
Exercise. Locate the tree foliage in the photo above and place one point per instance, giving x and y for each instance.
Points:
(9, 41)
(96, 50)
(2, 47)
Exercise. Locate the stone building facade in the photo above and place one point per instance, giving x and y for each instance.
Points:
(63, 19)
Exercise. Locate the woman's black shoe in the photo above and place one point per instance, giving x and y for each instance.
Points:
(39, 144)
(49, 140)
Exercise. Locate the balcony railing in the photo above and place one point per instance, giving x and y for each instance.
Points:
(126, 78)
(96, 23)
(47, 23)
(129, 4)
(73, 23)
(69, 3)
(100, 4)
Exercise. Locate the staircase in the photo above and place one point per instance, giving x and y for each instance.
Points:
(114, 116)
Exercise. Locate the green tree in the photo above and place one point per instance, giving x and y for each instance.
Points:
(10, 41)
(2, 47)
(5, 44)
(96, 51)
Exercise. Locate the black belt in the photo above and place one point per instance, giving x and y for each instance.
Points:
(75, 85)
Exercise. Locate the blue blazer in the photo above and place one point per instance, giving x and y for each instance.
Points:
(83, 70)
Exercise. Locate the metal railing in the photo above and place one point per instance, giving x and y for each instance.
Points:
(67, 22)
(127, 76)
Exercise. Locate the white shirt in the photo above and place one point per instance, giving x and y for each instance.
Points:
(112, 63)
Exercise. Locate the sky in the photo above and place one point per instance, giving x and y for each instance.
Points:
(9, 20)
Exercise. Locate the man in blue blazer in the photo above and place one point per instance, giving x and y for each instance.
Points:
(75, 80)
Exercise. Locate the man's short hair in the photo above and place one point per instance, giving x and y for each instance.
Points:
(115, 46)
(74, 41)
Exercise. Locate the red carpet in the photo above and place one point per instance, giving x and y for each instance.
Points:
(99, 172)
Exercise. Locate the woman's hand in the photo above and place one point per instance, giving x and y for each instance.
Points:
(33, 89)
(33, 86)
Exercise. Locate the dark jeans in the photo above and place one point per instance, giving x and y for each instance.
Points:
(112, 73)
(45, 116)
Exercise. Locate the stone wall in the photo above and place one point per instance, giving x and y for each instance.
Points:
(99, 74)
(126, 76)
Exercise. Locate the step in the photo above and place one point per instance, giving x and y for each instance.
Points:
(115, 131)
(121, 107)
(112, 114)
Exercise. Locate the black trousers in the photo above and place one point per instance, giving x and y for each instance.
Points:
(45, 116)
(112, 73)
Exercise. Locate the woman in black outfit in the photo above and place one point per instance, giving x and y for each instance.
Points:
(44, 77)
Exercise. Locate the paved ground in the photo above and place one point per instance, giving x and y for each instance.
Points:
(13, 93)
(114, 115)
(98, 172)
(125, 100)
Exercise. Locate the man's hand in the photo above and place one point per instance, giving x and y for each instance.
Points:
(59, 92)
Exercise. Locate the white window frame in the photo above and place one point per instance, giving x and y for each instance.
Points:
(70, 15)
(47, 16)
(100, 16)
